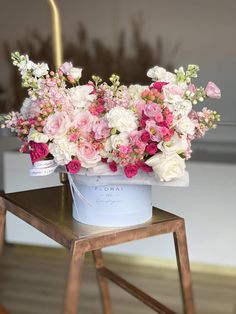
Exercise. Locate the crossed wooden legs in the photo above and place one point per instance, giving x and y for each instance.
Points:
(73, 282)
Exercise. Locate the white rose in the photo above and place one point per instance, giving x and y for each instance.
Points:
(185, 126)
(37, 137)
(160, 74)
(62, 150)
(81, 96)
(124, 120)
(177, 144)
(167, 166)
(115, 140)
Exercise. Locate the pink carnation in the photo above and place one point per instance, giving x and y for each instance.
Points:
(159, 85)
(151, 148)
(38, 151)
(73, 166)
(130, 170)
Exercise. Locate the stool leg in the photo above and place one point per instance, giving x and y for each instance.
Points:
(102, 281)
(184, 268)
(71, 299)
(2, 228)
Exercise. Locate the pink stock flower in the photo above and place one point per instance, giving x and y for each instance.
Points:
(73, 166)
(130, 170)
(212, 91)
(151, 148)
(38, 151)
(113, 166)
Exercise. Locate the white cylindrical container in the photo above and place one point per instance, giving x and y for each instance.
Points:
(112, 205)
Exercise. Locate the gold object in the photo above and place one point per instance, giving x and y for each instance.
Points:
(56, 33)
(58, 51)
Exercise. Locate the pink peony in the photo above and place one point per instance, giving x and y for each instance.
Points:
(73, 166)
(113, 166)
(130, 170)
(212, 91)
(151, 148)
(38, 151)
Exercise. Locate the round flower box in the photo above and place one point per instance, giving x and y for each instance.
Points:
(113, 205)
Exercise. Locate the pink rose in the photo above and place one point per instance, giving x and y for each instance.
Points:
(88, 155)
(38, 151)
(83, 121)
(212, 91)
(152, 109)
(130, 170)
(73, 166)
(159, 85)
(151, 148)
(192, 88)
(57, 125)
(101, 129)
(113, 166)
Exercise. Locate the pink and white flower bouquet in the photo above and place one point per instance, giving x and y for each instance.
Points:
(108, 128)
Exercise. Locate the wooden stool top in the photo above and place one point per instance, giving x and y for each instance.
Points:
(50, 211)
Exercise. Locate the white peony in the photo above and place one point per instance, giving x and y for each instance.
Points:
(160, 74)
(167, 166)
(81, 96)
(177, 144)
(37, 137)
(185, 126)
(62, 150)
(123, 120)
(40, 69)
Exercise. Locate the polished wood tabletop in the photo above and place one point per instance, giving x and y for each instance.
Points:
(50, 211)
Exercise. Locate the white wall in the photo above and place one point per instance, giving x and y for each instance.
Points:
(208, 206)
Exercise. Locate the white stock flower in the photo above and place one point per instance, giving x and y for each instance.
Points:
(135, 91)
(185, 126)
(177, 144)
(37, 137)
(124, 120)
(81, 96)
(75, 73)
(167, 166)
(25, 65)
(40, 69)
(62, 150)
(29, 108)
(160, 74)
(182, 107)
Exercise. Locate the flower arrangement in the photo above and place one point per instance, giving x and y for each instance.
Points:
(111, 127)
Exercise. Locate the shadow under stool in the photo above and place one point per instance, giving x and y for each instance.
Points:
(49, 210)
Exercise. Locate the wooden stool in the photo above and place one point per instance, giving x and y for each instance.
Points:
(49, 211)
